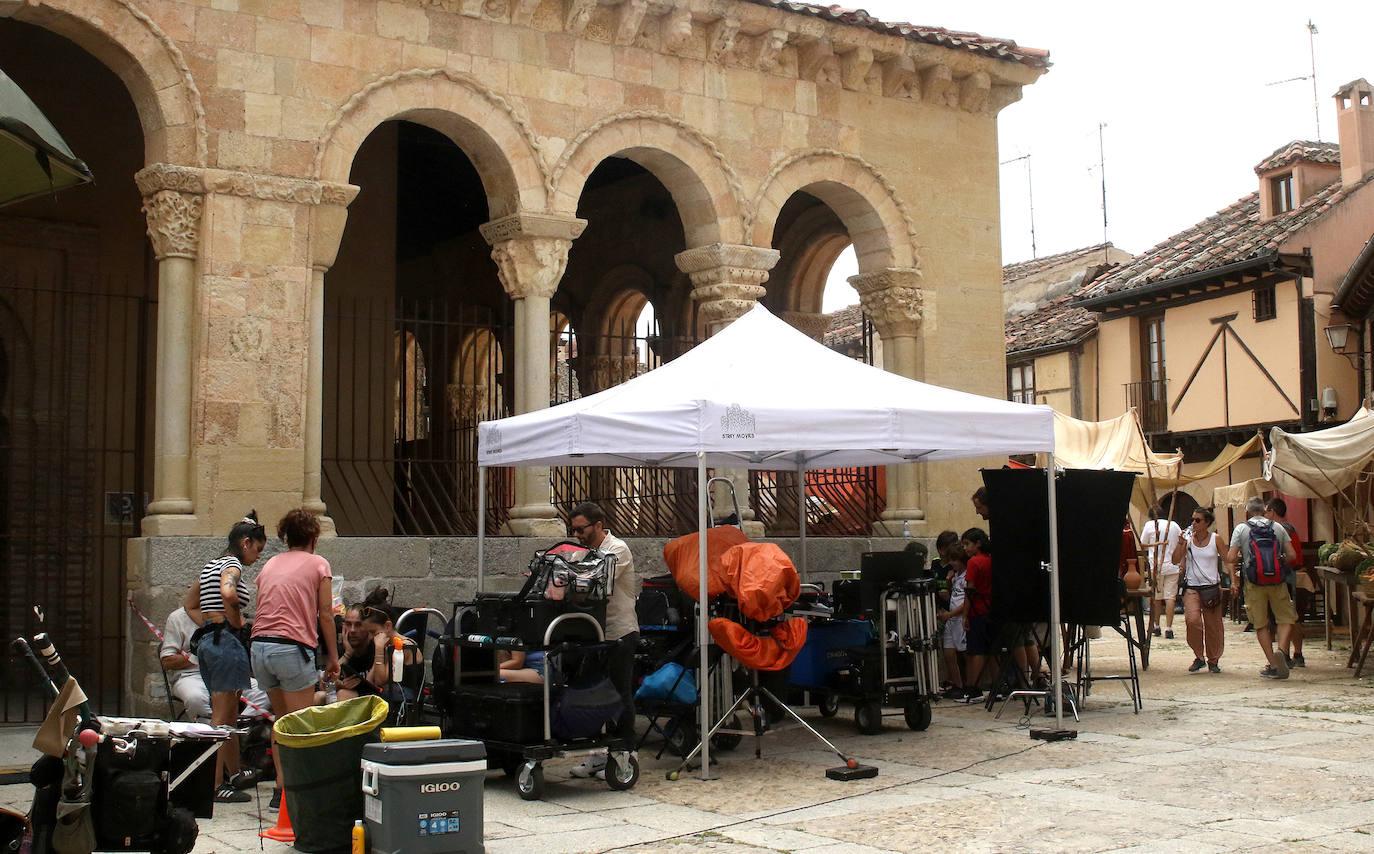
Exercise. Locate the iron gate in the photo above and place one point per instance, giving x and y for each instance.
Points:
(73, 366)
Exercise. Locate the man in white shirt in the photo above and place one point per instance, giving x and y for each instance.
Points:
(1158, 536)
(588, 524)
(184, 671)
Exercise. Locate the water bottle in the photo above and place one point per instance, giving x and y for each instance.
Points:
(398, 658)
(331, 691)
(906, 528)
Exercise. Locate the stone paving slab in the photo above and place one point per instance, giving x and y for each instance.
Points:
(1185, 775)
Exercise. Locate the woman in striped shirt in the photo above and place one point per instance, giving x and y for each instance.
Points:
(218, 597)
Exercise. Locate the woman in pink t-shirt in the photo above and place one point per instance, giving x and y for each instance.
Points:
(295, 609)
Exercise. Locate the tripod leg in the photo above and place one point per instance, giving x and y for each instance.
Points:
(823, 740)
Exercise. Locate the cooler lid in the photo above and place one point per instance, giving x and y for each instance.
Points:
(424, 752)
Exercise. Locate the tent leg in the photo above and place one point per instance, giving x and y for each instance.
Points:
(1056, 637)
(481, 523)
(703, 637)
(801, 515)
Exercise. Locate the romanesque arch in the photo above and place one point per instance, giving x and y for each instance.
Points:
(491, 132)
(703, 185)
(865, 201)
(149, 63)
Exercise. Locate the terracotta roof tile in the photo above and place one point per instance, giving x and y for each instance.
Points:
(846, 325)
(1025, 269)
(1232, 235)
(1058, 322)
(1300, 149)
(1004, 49)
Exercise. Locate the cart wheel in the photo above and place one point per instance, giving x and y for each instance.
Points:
(868, 717)
(510, 763)
(529, 782)
(681, 737)
(918, 715)
(828, 706)
(621, 777)
(727, 740)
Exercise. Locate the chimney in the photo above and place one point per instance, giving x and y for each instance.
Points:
(1355, 129)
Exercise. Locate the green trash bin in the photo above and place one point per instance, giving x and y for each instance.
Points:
(320, 749)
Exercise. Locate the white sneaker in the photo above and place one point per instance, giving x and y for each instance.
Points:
(592, 766)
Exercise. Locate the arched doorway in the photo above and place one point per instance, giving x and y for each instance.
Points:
(76, 320)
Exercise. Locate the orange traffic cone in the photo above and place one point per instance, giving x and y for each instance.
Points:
(283, 831)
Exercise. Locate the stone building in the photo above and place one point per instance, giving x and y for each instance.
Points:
(372, 224)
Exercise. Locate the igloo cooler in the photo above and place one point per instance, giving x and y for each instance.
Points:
(424, 797)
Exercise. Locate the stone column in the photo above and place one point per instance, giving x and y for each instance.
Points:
(531, 253)
(327, 220)
(173, 199)
(892, 298)
(727, 280)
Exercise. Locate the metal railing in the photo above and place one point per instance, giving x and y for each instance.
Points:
(1150, 399)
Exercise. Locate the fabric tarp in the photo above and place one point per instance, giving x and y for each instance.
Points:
(759, 394)
(1236, 494)
(34, 159)
(1324, 462)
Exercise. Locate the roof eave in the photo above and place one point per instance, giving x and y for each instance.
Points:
(1348, 297)
(1118, 298)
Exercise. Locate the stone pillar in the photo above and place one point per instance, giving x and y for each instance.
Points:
(892, 299)
(327, 220)
(727, 280)
(531, 253)
(173, 199)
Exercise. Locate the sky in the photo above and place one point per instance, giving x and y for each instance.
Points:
(1183, 90)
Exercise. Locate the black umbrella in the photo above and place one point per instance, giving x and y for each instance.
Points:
(34, 160)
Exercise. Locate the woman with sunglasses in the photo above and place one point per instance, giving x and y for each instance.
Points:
(1198, 552)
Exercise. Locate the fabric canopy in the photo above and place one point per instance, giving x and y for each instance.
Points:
(34, 159)
(1323, 462)
(759, 394)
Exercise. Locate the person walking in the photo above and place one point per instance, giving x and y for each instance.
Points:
(1198, 552)
(1262, 548)
(295, 610)
(1276, 510)
(1158, 536)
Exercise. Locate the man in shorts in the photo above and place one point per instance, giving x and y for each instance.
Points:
(1260, 599)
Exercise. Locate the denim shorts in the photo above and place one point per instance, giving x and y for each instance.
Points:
(535, 661)
(283, 667)
(223, 662)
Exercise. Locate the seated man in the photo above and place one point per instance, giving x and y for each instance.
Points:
(184, 672)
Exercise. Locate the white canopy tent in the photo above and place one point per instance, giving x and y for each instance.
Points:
(761, 395)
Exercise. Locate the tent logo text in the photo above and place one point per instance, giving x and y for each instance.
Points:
(737, 423)
(493, 442)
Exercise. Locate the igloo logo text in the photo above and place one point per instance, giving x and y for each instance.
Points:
(737, 423)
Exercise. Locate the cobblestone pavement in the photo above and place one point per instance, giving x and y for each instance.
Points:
(1214, 763)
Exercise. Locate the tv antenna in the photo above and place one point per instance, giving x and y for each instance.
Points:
(1312, 75)
(1102, 172)
(1030, 196)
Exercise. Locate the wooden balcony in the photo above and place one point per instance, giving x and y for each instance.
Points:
(1150, 400)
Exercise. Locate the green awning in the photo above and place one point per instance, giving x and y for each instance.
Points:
(34, 159)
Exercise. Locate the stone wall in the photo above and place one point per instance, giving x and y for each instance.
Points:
(433, 572)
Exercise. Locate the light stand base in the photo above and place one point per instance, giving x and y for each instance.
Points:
(844, 773)
(1054, 734)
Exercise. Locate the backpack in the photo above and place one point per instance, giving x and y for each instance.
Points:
(1266, 556)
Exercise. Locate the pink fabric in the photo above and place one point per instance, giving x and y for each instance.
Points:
(288, 597)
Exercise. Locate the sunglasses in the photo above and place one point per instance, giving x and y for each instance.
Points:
(365, 611)
(1198, 520)
(577, 529)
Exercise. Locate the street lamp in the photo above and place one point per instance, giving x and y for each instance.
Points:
(1339, 336)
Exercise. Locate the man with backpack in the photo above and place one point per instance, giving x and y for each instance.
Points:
(1264, 548)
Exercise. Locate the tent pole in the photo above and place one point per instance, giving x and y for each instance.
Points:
(801, 514)
(703, 639)
(1056, 636)
(481, 522)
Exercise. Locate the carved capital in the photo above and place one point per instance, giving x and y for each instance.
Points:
(892, 298)
(677, 28)
(628, 20)
(812, 324)
(327, 220)
(532, 225)
(603, 370)
(471, 8)
(720, 39)
(854, 67)
(577, 13)
(771, 44)
(726, 262)
(531, 251)
(173, 199)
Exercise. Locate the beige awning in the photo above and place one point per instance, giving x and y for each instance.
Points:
(1236, 494)
(1323, 462)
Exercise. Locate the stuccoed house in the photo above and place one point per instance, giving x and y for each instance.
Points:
(328, 237)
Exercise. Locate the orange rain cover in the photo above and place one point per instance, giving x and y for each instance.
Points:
(762, 578)
(770, 653)
(681, 557)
